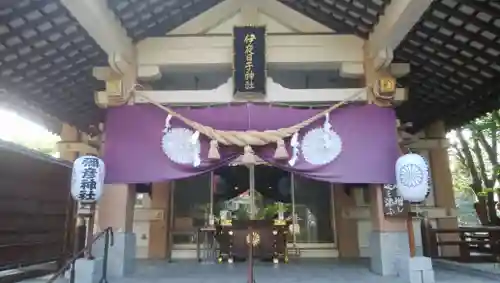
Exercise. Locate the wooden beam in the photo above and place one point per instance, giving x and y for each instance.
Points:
(319, 50)
(146, 73)
(356, 70)
(399, 17)
(224, 94)
(77, 147)
(364, 213)
(102, 25)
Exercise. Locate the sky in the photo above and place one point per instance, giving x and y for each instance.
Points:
(17, 129)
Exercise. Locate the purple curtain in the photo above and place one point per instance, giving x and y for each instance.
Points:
(133, 153)
(369, 145)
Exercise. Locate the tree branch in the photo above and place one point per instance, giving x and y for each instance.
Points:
(469, 160)
(487, 182)
(460, 155)
(490, 151)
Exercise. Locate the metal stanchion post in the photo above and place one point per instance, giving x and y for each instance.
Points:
(252, 217)
(294, 217)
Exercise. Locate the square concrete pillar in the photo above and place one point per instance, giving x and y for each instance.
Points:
(389, 246)
(116, 210)
(389, 238)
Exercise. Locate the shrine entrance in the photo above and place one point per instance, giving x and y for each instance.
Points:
(289, 216)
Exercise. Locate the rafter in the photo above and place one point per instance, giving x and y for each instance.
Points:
(399, 17)
(103, 26)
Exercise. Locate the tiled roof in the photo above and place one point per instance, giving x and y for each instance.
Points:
(46, 57)
(454, 54)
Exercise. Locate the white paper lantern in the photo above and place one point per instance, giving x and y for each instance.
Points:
(412, 177)
(87, 179)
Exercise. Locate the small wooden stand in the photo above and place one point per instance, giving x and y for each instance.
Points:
(411, 234)
(86, 211)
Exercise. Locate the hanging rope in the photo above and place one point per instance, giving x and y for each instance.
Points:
(248, 138)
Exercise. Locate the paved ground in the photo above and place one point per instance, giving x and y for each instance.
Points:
(317, 271)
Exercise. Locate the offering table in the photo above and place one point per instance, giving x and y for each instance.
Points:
(268, 241)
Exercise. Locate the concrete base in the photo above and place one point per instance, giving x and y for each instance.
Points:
(87, 271)
(121, 257)
(386, 250)
(417, 270)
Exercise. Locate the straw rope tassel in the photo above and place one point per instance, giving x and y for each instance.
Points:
(213, 151)
(280, 153)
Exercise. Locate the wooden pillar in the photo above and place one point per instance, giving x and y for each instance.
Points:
(443, 186)
(346, 229)
(116, 208)
(159, 227)
(69, 134)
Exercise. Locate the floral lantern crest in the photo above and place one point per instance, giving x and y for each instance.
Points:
(412, 177)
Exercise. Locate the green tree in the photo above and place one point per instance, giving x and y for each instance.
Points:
(476, 152)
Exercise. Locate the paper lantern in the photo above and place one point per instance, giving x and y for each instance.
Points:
(87, 179)
(412, 177)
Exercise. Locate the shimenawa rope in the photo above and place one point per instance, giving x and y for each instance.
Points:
(245, 139)
(252, 138)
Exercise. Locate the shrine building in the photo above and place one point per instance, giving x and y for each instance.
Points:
(233, 111)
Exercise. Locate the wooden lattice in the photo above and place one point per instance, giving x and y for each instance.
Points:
(147, 18)
(46, 58)
(454, 53)
(343, 16)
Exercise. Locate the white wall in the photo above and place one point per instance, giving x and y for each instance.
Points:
(141, 229)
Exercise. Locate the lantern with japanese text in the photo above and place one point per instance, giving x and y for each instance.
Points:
(87, 179)
(412, 177)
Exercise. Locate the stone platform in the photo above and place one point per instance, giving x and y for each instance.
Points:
(309, 270)
(318, 271)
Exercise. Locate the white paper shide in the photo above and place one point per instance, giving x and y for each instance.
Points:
(412, 177)
(320, 147)
(87, 179)
(182, 146)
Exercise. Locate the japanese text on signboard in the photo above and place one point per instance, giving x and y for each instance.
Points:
(393, 202)
(249, 74)
(249, 59)
(88, 183)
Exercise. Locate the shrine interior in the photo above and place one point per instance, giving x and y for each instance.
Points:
(311, 202)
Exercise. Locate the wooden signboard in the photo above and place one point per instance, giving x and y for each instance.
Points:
(394, 204)
(249, 62)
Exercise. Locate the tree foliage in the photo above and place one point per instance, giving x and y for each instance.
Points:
(475, 148)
